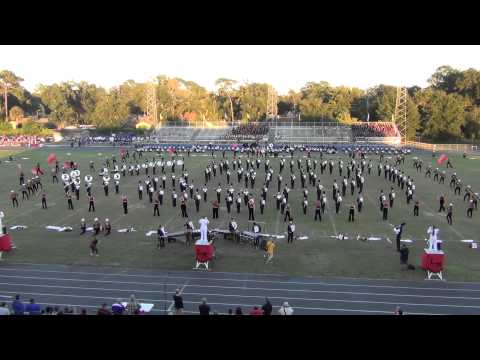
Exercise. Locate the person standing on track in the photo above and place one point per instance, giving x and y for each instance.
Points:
(125, 204)
(416, 208)
(156, 202)
(108, 227)
(83, 226)
(91, 205)
(442, 204)
(251, 208)
(269, 252)
(318, 214)
(450, 214)
(44, 201)
(93, 247)
(161, 234)
(69, 201)
(351, 214)
(290, 231)
(183, 207)
(215, 206)
(140, 190)
(13, 196)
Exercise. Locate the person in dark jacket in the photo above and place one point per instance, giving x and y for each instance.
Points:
(178, 302)
(267, 307)
(404, 251)
(32, 308)
(17, 306)
(203, 308)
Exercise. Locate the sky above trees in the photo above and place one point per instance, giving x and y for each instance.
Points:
(285, 67)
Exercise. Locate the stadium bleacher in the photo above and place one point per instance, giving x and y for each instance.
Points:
(311, 133)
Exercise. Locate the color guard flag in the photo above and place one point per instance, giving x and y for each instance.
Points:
(36, 171)
(442, 159)
(51, 159)
(123, 152)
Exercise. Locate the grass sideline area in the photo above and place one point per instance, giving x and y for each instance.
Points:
(320, 255)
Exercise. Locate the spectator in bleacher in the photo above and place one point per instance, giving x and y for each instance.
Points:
(204, 308)
(104, 310)
(248, 131)
(133, 307)
(238, 311)
(178, 302)
(285, 309)
(374, 129)
(4, 310)
(32, 308)
(18, 307)
(118, 308)
(256, 311)
(267, 307)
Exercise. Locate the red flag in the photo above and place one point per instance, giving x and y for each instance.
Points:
(170, 150)
(442, 159)
(123, 152)
(51, 159)
(36, 171)
(66, 165)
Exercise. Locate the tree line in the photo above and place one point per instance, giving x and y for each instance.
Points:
(447, 109)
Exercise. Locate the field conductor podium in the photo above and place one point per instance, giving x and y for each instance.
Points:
(5, 239)
(432, 263)
(203, 254)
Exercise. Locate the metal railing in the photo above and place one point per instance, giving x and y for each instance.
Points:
(444, 147)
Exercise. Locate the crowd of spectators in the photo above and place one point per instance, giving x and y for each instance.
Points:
(109, 140)
(129, 307)
(133, 307)
(374, 129)
(21, 140)
(247, 132)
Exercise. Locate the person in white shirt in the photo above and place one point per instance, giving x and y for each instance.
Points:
(4, 310)
(203, 230)
(140, 190)
(285, 309)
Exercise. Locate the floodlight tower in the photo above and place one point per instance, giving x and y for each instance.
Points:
(400, 118)
(272, 103)
(152, 112)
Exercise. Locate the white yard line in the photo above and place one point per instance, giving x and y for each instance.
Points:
(229, 287)
(242, 280)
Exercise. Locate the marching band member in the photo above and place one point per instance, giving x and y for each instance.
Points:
(290, 231)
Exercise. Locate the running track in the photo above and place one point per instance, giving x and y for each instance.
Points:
(89, 287)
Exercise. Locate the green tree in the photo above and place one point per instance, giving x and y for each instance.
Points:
(468, 85)
(57, 99)
(8, 81)
(445, 78)
(135, 95)
(471, 129)
(226, 90)
(442, 114)
(86, 97)
(16, 113)
(252, 99)
(111, 110)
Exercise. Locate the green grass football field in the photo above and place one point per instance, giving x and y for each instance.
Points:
(319, 255)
